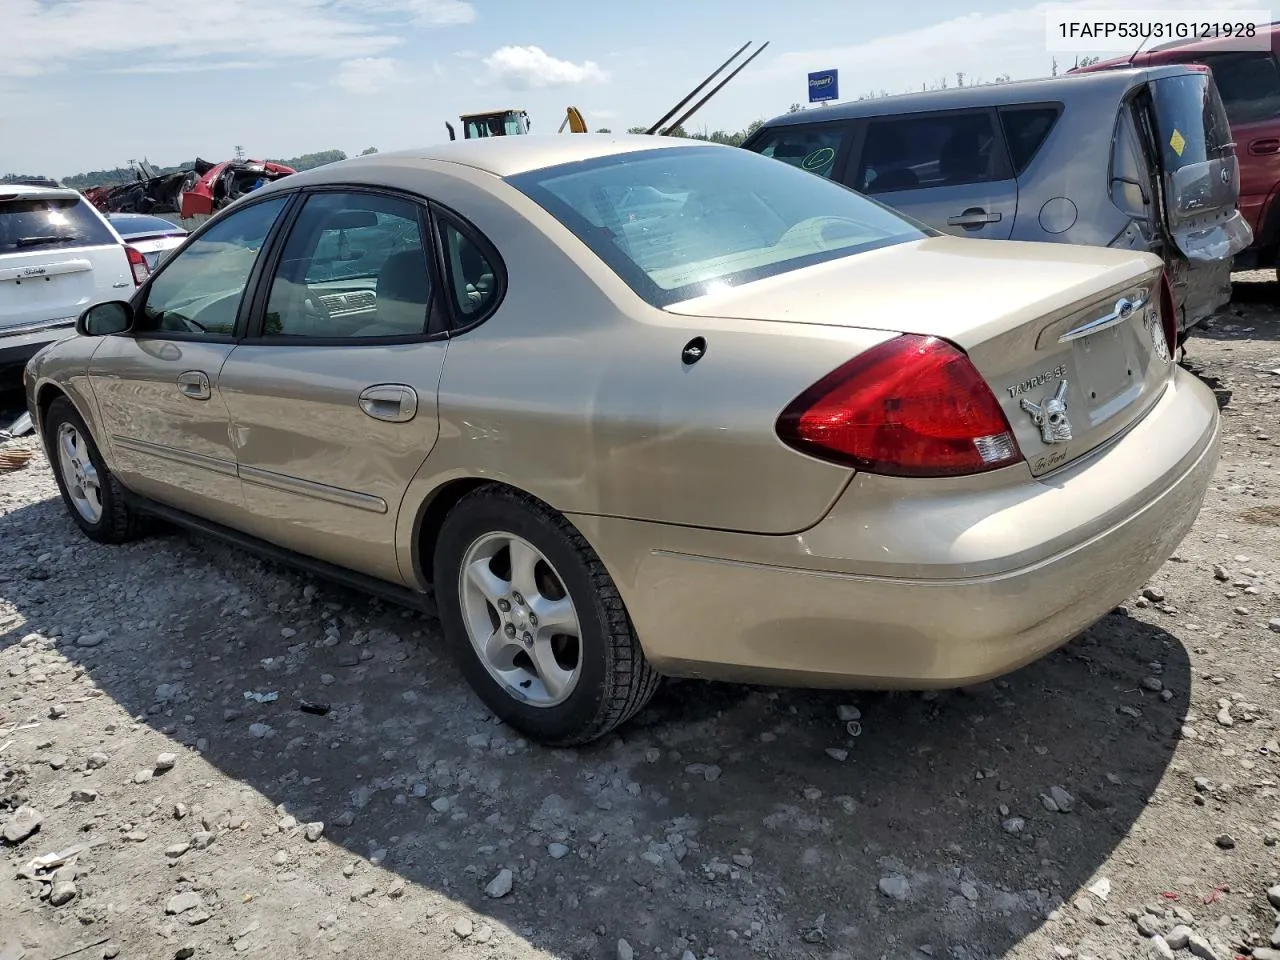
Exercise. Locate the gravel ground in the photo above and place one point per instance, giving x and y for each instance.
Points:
(223, 758)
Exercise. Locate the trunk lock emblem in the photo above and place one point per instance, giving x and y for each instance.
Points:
(1050, 415)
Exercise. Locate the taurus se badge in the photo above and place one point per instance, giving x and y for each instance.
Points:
(1050, 415)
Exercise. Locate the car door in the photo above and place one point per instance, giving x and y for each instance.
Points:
(158, 386)
(949, 169)
(333, 397)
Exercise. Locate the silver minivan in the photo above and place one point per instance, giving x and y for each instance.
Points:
(1138, 158)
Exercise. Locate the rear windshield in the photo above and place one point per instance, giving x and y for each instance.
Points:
(137, 225)
(678, 223)
(1191, 122)
(57, 224)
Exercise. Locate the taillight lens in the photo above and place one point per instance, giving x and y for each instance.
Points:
(913, 406)
(138, 264)
(1168, 314)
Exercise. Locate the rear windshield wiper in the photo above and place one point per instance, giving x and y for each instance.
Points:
(39, 241)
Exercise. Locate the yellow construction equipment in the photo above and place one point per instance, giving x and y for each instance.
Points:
(513, 121)
(509, 122)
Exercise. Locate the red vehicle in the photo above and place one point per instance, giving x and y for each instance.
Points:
(1249, 83)
(221, 183)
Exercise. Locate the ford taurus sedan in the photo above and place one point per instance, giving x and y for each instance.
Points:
(756, 427)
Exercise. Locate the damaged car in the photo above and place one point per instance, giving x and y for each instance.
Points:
(149, 192)
(220, 184)
(1139, 159)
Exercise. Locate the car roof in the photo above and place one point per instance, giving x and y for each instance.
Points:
(1166, 52)
(1110, 83)
(12, 190)
(508, 156)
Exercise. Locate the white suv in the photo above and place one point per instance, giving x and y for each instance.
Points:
(58, 256)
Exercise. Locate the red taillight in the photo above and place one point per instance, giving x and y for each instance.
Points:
(1168, 314)
(138, 264)
(913, 406)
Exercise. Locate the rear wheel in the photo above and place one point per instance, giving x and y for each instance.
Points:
(540, 630)
(93, 496)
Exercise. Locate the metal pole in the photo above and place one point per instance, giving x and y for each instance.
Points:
(698, 106)
(694, 92)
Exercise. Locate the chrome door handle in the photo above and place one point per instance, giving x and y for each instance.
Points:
(974, 218)
(393, 402)
(194, 384)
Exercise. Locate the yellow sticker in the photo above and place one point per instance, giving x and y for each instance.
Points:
(1178, 142)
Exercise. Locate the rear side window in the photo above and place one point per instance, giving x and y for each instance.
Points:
(1191, 124)
(59, 224)
(809, 148)
(1025, 130)
(1249, 83)
(939, 150)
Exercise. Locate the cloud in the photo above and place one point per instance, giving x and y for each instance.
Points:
(530, 68)
(42, 36)
(982, 45)
(368, 75)
(436, 13)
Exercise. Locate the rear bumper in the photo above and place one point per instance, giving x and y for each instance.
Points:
(17, 349)
(976, 580)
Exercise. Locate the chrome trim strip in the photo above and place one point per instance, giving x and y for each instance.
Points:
(1124, 309)
(309, 488)
(226, 468)
(20, 329)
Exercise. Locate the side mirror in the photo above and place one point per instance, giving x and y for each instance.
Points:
(105, 319)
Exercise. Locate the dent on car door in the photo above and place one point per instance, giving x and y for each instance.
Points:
(949, 170)
(158, 385)
(333, 400)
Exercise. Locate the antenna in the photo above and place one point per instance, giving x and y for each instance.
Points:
(694, 92)
(1129, 62)
(716, 89)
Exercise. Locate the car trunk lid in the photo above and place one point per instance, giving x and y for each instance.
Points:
(1031, 317)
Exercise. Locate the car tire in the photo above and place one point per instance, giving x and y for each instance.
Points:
(588, 687)
(113, 521)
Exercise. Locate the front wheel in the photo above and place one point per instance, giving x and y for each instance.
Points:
(93, 496)
(536, 621)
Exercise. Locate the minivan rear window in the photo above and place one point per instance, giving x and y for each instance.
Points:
(1191, 123)
(678, 222)
(40, 224)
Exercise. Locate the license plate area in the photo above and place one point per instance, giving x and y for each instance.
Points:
(1108, 370)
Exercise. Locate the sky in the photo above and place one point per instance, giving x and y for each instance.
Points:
(91, 84)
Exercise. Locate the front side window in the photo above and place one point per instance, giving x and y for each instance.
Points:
(717, 216)
(946, 149)
(199, 290)
(56, 223)
(354, 266)
(812, 148)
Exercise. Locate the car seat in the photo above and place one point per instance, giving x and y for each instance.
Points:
(403, 294)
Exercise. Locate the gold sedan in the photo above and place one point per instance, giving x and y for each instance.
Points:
(635, 406)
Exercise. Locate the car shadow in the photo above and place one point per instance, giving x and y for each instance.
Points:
(723, 814)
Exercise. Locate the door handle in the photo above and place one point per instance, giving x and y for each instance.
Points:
(1264, 146)
(393, 402)
(194, 384)
(975, 217)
